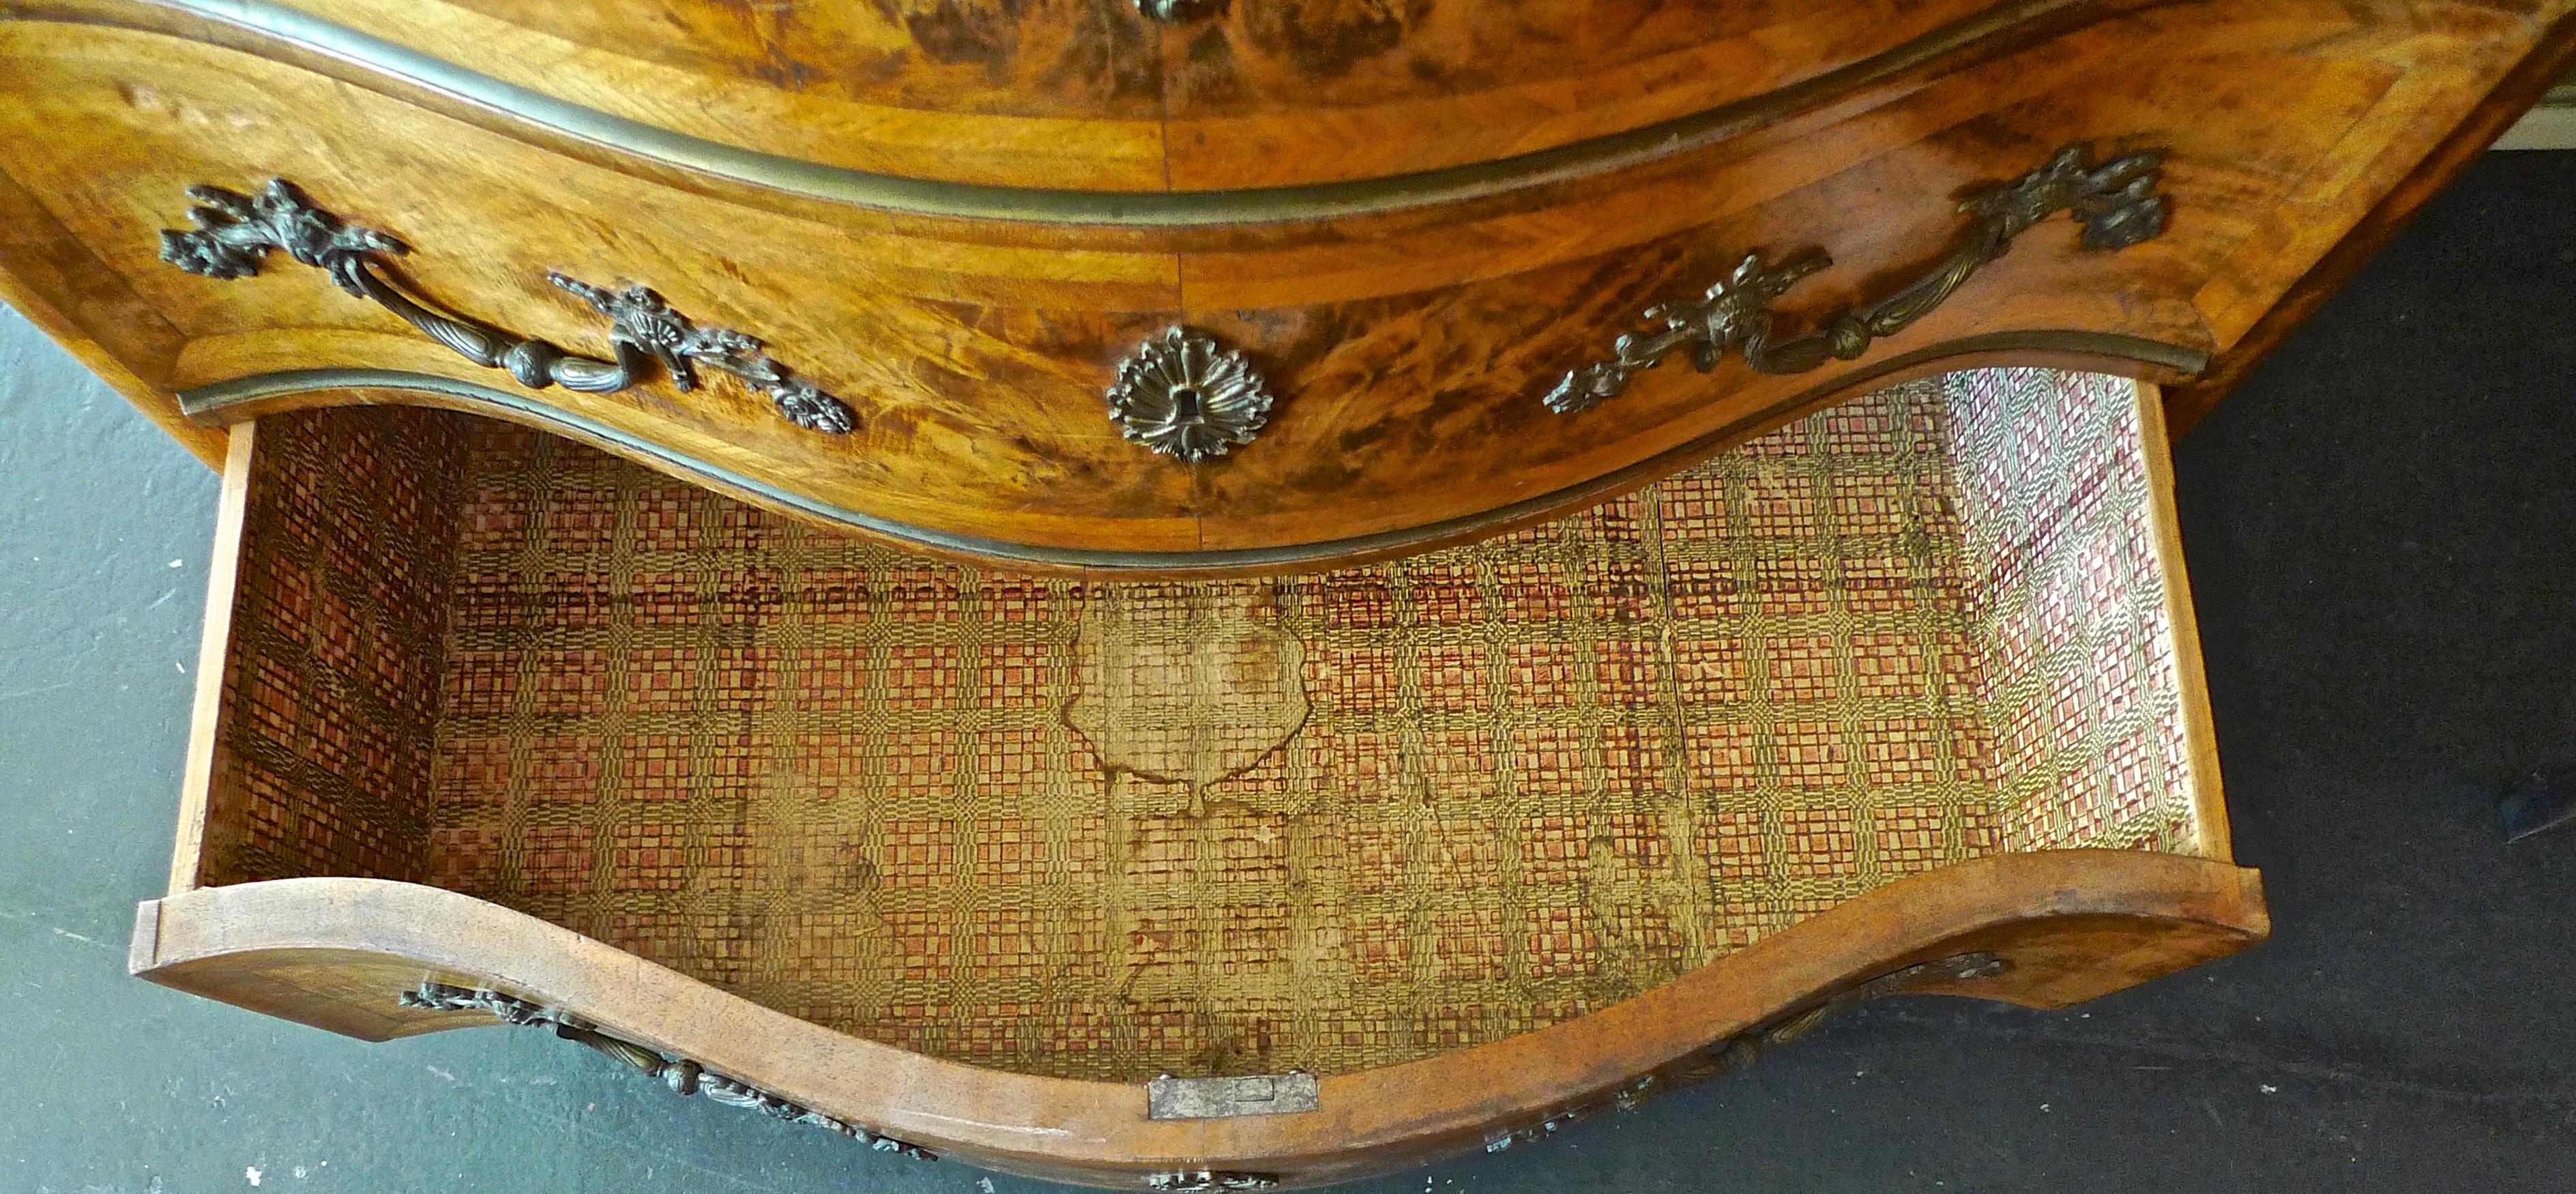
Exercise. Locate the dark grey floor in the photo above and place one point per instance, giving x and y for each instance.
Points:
(2382, 530)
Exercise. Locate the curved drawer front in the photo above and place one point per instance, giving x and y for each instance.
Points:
(1905, 695)
(1152, 95)
(2135, 194)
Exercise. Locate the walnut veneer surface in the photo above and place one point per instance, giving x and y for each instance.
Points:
(1084, 94)
(1106, 831)
(961, 218)
(1638, 746)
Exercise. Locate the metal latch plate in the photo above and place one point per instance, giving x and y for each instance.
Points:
(1168, 1097)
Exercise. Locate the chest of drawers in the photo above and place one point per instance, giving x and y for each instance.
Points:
(1207, 594)
(1241, 288)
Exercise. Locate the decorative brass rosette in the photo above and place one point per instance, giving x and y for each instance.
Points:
(1186, 396)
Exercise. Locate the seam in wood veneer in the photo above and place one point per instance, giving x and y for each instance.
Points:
(1138, 209)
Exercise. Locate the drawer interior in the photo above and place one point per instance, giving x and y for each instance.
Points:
(1062, 826)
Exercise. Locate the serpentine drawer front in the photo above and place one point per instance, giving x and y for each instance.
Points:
(1201, 594)
(1213, 884)
(1195, 287)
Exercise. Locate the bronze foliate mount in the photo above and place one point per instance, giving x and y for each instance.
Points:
(1188, 397)
(1744, 1048)
(235, 232)
(1207, 1181)
(2115, 203)
(682, 1075)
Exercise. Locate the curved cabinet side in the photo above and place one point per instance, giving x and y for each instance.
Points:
(337, 954)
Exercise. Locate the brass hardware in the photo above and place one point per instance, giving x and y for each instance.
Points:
(1742, 1049)
(217, 400)
(311, 35)
(1188, 397)
(1201, 1181)
(2115, 202)
(682, 1075)
(1173, 12)
(234, 233)
(1168, 1097)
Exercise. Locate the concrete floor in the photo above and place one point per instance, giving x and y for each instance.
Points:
(2382, 528)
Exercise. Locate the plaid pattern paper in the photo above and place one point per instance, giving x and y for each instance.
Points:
(1326, 822)
(331, 689)
(2082, 690)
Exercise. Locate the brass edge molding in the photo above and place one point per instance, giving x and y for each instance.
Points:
(683, 1076)
(234, 234)
(1124, 209)
(212, 401)
(2115, 203)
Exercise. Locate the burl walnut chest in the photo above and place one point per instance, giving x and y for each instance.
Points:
(1201, 594)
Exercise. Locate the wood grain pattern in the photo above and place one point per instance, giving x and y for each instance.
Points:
(197, 775)
(2405, 184)
(1407, 344)
(834, 309)
(1071, 93)
(2200, 736)
(1047, 93)
(62, 287)
(333, 953)
(1413, 217)
(1289, 94)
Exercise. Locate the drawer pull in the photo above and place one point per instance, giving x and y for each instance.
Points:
(2115, 202)
(234, 233)
(1187, 396)
(681, 1075)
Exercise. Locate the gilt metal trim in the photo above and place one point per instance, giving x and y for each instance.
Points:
(1173, 12)
(1167, 1097)
(1744, 1048)
(682, 1075)
(2115, 203)
(281, 25)
(1208, 1181)
(234, 233)
(1188, 397)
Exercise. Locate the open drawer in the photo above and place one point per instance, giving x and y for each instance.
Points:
(1428, 855)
